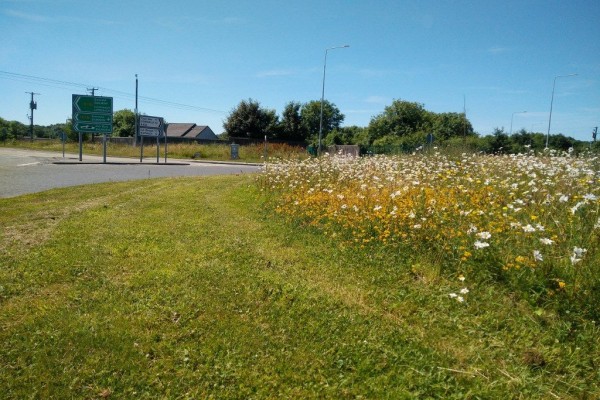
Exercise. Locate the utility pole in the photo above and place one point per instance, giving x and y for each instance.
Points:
(594, 133)
(32, 106)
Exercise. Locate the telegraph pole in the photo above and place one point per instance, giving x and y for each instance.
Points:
(32, 106)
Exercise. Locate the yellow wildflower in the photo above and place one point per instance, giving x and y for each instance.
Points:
(520, 259)
(561, 284)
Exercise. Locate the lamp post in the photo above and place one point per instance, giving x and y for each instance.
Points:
(135, 133)
(512, 117)
(323, 95)
(551, 102)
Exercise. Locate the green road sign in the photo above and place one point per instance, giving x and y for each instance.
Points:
(99, 118)
(92, 114)
(86, 127)
(93, 104)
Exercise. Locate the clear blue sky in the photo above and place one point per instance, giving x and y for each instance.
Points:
(499, 56)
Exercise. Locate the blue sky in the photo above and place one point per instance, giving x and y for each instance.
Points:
(497, 57)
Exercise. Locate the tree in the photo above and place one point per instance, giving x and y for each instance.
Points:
(346, 135)
(560, 142)
(399, 119)
(311, 115)
(523, 141)
(124, 123)
(291, 127)
(249, 119)
(17, 129)
(3, 130)
(498, 141)
(447, 125)
(68, 129)
(72, 134)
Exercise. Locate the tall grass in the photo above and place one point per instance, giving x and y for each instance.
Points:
(529, 221)
(212, 152)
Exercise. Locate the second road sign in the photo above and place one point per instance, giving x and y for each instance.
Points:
(151, 126)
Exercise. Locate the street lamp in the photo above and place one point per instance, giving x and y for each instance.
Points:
(512, 117)
(552, 101)
(323, 95)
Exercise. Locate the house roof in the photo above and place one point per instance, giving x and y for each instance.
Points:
(179, 129)
(190, 131)
(196, 131)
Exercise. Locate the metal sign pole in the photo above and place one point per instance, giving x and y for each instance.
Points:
(104, 148)
(91, 114)
(265, 148)
(150, 127)
(165, 146)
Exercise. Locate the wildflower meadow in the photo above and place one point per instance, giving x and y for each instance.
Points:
(528, 221)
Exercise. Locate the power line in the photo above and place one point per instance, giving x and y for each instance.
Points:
(119, 94)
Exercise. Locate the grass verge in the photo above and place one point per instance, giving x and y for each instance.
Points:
(212, 152)
(186, 288)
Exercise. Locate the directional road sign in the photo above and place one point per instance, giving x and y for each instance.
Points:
(93, 104)
(150, 122)
(92, 114)
(86, 127)
(151, 126)
(94, 118)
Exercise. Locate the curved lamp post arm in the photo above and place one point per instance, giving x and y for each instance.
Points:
(512, 117)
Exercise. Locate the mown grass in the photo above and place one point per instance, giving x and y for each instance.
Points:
(212, 152)
(190, 288)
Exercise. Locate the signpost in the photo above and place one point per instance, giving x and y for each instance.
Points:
(63, 138)
(85, 127)
(94, 118)
(92, 114)
(151, 122)
(150, 127)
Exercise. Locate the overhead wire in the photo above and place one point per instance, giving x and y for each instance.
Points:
(117, 93)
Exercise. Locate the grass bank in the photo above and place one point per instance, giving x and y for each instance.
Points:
(187, 288)
(212, 152)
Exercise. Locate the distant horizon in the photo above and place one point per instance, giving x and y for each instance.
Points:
(493, 59)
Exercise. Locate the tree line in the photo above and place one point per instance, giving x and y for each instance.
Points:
(400, 122)
(401, 126)
(123, 126)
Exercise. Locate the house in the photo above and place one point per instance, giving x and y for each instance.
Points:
(190, 131)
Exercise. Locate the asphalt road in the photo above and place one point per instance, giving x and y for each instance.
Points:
(26, 171)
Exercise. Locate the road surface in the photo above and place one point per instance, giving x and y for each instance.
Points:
(28, 171)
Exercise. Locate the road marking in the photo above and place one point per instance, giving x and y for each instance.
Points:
(31, 163)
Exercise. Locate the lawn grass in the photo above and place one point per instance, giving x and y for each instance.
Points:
(190, 288)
